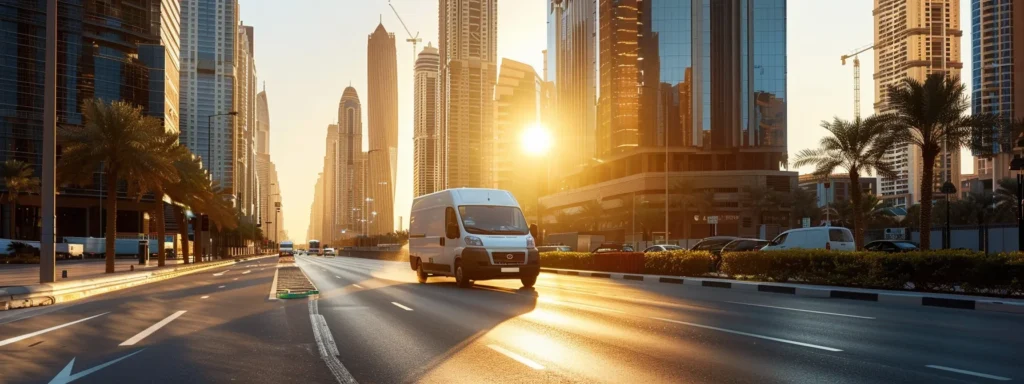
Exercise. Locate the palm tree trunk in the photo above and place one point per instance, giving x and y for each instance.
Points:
(111, 235)
(858, 212)
(200, 243)
(13, 210)
(927, 186)
(179, 215)
(161, 230)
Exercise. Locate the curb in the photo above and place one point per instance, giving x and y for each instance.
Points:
(872, 295)
(65, 291)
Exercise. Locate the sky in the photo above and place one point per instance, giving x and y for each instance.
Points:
(308, 51)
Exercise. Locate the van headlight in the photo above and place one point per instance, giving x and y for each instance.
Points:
(474, 241)
(530, 244)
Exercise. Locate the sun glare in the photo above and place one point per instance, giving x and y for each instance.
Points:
(536, 140)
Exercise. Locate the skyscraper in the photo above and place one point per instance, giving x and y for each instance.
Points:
(245, 135)
(425, 126)
(382, 121)
(997, 81)
(209, 64)
(691, 104)
(517, 105)
(915, 38)
(349, 158)
(329, 186)
(468, 51)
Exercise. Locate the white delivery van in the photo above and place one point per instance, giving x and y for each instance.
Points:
(472, 234)
(834, 238)
(286, 248)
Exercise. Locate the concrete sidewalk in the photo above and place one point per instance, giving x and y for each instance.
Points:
(28, 274)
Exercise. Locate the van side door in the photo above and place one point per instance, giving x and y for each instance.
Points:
(445, 260)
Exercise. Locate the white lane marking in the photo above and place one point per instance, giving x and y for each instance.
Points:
(54, 328)
(326, 345)
(337, 277)
(358, 286)
(221, 286)
(234, 279)
(221, 273)
(153, 328)
(516, 357)
(570, 303)
(754, 335)
(246, 272)
(978, 374)
(401, 306)
(273, 287)
(802, 310)
(205, 297)
(65, 376)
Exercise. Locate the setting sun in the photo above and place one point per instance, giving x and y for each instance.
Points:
(536, 140)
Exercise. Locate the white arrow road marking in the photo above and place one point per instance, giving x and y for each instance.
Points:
(37, 333)
(153, 328)
(65, 375)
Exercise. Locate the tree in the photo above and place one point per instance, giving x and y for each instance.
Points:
(1006, 198)
(873, 212)
(120, 137)
(983, 205)
(18, 177)
(762, 199)
(804, 204)
(857, 146)
(930, 116)
(692, 200)
(169, 151)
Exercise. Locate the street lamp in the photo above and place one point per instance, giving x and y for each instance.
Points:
(1017, 164)
(948, 189)
(209, 137)
(366, 193)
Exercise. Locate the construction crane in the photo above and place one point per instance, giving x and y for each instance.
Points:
(412, 39)
(856, 76)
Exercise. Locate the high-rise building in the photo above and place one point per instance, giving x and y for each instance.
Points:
(571, 63)
(382, 127)
(329, 186)
(245, 135)
(135, 61)
(997, 81)
(517, 105)
(913, 39)
(691, 105)
(469, 53)
(425, 125)
(263, 162)
(209, 65)
(316, 212)
(349, 158)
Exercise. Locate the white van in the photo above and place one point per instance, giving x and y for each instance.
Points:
(835, 238)
(472, 234)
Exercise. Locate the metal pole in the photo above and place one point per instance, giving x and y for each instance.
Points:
(1020, 212)
(209, 144)
(47, 261)
(945, 237)
(666, 187)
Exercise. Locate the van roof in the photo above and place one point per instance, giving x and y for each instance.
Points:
(465, 196)
(815, 229)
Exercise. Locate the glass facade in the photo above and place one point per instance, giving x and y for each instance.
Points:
(992, 56)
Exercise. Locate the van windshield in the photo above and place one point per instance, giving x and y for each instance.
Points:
(493, 220)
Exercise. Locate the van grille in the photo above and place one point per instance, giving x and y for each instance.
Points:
(508, 258)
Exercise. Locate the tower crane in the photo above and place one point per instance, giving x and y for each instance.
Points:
(412, 39)
(856, 76)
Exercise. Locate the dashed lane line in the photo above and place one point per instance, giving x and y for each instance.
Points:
(516, 357)
(153, 328)
(53, 328)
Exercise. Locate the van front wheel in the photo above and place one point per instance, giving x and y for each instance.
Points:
(460, 276)
(529, 281)
(420, 275)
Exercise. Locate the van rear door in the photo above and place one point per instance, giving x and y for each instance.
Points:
(841, 239)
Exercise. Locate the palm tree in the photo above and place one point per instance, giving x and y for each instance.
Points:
(169, 150)
(762, 199)
(804, 204)
(873, 211)
(983, 205)
(693, 200)
(931, 116)
(118, 136)
(18, 177)
(857, 146)
(1006, 196)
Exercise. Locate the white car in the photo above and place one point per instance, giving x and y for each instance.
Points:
(472, 234)
(833, 238)
(330, 252)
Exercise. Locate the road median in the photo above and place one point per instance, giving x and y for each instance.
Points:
(65, 291)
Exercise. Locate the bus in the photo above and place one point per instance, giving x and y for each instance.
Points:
(314, 247)
(286, 249)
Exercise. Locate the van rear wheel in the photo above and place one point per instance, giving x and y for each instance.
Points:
(460, 276)
(420, 275)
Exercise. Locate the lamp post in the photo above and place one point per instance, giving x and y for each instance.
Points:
(948, 189)
(1017, 164)
(209, 137)
(366, 193)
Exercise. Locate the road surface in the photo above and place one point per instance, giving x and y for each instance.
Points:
(372, 323)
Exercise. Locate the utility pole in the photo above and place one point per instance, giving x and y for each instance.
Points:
(47, 260)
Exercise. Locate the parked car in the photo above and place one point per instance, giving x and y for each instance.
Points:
(743, 245)
(554, 248)
(834, 238)
(891, 246)
(330, 252)
(613, 247)
(713, 244)
(662, 248)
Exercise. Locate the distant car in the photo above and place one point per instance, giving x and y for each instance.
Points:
(330, 252)
(833, 238)
(891, 246)
(713, 244)
(613, 247)
(743, 245)
(662, 248)
(554, 248)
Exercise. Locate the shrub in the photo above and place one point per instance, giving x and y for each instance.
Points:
(567, 260)
(678, 263)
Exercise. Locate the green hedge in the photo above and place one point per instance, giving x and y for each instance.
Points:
(935, 271)
(678, 263)
(567, 260)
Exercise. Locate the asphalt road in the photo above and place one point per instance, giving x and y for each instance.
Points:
(372, 323)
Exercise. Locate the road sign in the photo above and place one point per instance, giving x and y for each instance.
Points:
(712, 219)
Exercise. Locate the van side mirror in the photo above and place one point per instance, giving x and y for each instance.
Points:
(533, 231)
